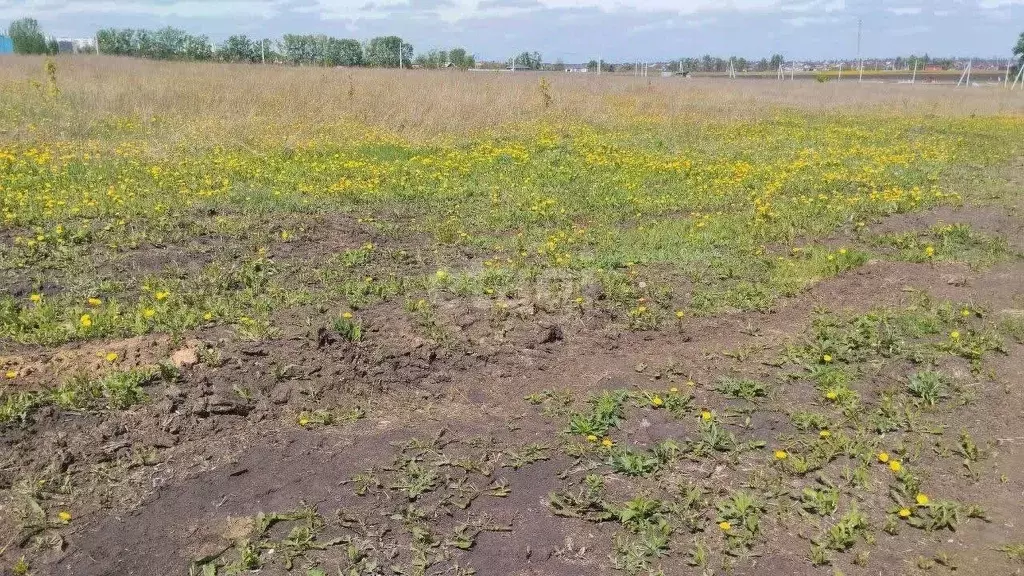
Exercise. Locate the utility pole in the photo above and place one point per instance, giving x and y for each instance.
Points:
(860, 61)
(840, 72)
(600, 64)
(400, 55)
(263, 51)
(966, 75)
(1006, 79)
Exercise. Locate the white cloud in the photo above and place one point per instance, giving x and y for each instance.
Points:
(905, 10)
(995, 4)
(448, 10)
(458, 9)
(183, 8)
(800, 21)
(910, 31)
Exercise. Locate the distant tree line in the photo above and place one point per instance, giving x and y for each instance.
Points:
(163, 44)
(456, 57)
(593, 65)
(299, 49)
(709, 63)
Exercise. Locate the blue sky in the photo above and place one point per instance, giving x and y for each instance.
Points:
(577, 30)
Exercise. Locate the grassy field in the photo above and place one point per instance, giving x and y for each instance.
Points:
(328, 321)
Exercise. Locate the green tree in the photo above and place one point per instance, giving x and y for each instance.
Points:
(27, 36)
(169, 43)
(776, 61)
(383, 52)
(344, 52)
(145, 44)
(461, 59)
(239, 48)
(198, 48)
(528, 61)
(297, 49)
(117, 41)
(1018, 51)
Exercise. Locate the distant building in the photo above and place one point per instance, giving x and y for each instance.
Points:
(76, 45)
(6, 45)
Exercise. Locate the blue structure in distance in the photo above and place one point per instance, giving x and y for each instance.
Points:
(6, 44)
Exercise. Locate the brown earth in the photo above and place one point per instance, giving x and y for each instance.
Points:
(176, 479)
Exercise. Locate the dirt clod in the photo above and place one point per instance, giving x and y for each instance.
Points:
(185, 358)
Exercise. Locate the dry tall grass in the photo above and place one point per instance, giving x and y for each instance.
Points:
(237, 99)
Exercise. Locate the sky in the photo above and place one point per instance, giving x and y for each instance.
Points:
(577, 30)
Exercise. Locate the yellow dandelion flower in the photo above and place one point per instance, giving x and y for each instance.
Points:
(831, 395)
(954, 335)
(679, 314)
(922, 500)
(895, 466)
(37, 298)
(725, 526)
(94, 302)
(64, 516)
(303, 420)
(781, 455)
(591, 438)
(904, 512)
(883, 457)
(824, 434)
(929, 251)
(111, 356)
(705, 416)
(674, 390)
(11, 374)
(148, 313)
(85, 320)
(657, 401)
(965, 312)
(607, 442)
(160, 296)
(346, 315)
(208, 316)
(827, 358)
